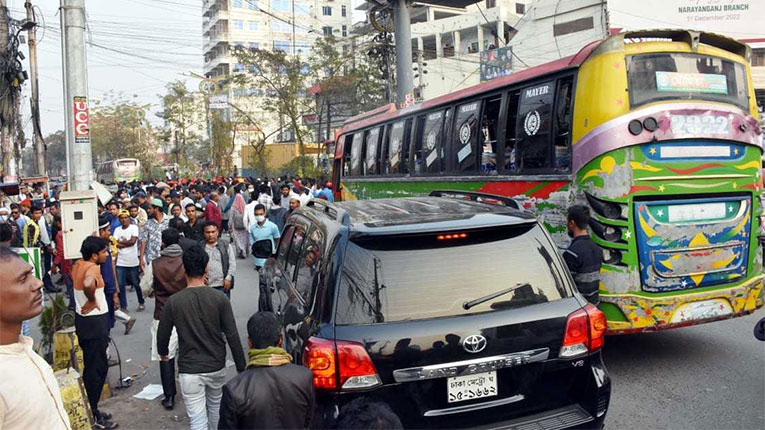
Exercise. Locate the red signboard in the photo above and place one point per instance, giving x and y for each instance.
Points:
(81, 120)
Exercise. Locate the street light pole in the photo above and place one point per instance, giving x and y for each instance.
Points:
(403, 35)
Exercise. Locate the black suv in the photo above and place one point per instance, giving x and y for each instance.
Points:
(455, 309)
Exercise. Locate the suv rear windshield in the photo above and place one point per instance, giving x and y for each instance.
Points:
(673, 76)
(417, 277)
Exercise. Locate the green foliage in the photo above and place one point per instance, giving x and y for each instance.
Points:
(301, 166)
(54, 318)
(183, 113)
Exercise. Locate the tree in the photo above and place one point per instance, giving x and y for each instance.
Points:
(285, 80)
(346, 83)
(182, 113)
(56, 150)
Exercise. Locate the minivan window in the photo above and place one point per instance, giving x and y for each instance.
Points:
(418, 277)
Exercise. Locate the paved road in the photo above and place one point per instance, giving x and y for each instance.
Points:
(704, 377)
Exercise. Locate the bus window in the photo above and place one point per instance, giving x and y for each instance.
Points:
(373, 154)
(562, 139)
(489, 130)
(396, 161)
(428, 152)
(513, 100)
(533, 151)
(356, 155)
(347, 154)
(466, 135)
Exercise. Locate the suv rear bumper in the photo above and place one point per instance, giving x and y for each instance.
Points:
(561, 418)
(645, 313)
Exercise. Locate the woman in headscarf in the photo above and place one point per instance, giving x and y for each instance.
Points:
(239, 228)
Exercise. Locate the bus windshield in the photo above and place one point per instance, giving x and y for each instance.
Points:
(672, 76)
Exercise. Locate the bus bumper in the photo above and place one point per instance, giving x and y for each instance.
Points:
(645, 314)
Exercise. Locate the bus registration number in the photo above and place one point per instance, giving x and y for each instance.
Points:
(699, 124)
(469, 387)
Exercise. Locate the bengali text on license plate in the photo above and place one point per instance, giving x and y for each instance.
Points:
(471, 387)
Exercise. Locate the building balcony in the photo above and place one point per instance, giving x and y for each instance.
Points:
(214, 38)
(214, 19)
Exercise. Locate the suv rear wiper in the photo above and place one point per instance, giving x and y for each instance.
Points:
(484, 299)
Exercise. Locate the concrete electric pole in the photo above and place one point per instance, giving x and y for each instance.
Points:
(40, 151)
(403, 38)
(79, 157)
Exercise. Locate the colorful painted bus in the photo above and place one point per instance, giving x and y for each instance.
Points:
(656, 131)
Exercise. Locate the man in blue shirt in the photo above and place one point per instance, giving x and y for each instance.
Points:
(264, 236)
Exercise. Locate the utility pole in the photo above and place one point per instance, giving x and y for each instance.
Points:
(41, 156)
(76, 94)
(9, 103)
(294, 48)
(403, 38)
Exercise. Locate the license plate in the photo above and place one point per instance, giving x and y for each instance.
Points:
(462, 388)
(702, 310)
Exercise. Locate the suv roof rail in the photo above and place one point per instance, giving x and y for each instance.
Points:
(477, 197)
(334, 212)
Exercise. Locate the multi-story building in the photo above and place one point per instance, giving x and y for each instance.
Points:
(291, 26)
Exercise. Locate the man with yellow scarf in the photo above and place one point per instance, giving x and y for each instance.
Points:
(249, 400)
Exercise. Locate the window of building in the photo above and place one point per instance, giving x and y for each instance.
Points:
(343, 11)
(302, 48)
(491, 3)
(305, 68)
(758, 57)
(302, 9)
(327, 30)
(236, 3)
(254, 69)
(239, 68)
(280, 6)
(520, 8)
(237, 24)
(326, 10)
(345, 30)
(238, 46)
(282, 45)
(254, 45)
(465, 136)
(280, 26)
(301, 30)
(252, 25)
(252, 4)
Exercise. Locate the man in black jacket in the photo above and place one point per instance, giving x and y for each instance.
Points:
(272, 392)
(583, 257)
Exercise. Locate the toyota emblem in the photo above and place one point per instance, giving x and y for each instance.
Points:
(474, 343)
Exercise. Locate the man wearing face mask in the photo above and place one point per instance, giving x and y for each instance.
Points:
(264, 236)
(583, 256)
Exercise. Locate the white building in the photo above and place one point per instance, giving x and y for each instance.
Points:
(291, 26)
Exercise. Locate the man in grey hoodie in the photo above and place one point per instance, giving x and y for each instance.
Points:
(167, 278)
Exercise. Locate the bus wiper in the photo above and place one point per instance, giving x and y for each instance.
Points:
(484, 299)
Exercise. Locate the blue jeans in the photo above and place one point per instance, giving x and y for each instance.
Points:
(128, 276)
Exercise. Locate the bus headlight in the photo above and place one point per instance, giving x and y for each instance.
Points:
(606, 209)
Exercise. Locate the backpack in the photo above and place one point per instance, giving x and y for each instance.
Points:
(237, 220)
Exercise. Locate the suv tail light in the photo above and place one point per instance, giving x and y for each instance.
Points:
(585, 331)
(339, 365)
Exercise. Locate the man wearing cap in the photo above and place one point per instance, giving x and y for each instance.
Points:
(127, 259)
(151, 234)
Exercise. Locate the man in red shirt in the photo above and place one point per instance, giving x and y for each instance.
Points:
(212, 211)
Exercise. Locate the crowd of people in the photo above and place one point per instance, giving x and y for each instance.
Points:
(177, 243)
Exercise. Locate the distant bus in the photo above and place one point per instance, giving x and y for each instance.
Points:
(121, 170)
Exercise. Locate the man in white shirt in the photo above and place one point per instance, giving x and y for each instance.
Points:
(249, 210)
(126, 236)
(287, 195)
(29, 394)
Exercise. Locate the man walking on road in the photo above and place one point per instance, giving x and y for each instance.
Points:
(583, 257)
(194, 224)
(272, 393)
(264, 236)
(29, 394)
(91, 322)
(212, 211)
(200, 314)
(222, 265)
(167, 278)
(151, 234)
(127, 259)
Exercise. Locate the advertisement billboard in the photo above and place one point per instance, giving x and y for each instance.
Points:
(738, 19)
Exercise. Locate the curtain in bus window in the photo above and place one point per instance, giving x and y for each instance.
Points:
(356, 154)
(393, 163)
(432, 138)
(370, 164)
(533, 127)
(466, 129)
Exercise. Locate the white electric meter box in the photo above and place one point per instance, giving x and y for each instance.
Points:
(79, 219)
